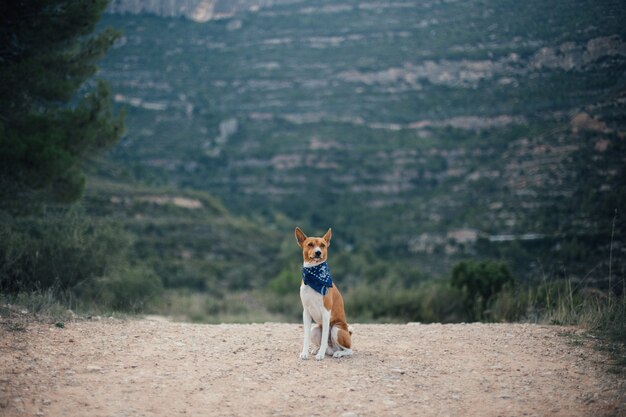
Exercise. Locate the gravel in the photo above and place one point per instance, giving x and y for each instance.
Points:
(158, 368)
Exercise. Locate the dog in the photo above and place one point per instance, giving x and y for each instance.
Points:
(321, 301)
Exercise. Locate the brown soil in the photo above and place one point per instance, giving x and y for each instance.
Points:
(157, 368)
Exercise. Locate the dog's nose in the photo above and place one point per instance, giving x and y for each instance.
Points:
(318, 253)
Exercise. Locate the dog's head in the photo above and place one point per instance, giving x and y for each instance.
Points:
(314, 249)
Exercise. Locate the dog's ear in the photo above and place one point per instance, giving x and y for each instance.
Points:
(327, 236)
(300, 236)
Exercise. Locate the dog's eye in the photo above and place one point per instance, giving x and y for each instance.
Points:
(310, 245)
(322, 246)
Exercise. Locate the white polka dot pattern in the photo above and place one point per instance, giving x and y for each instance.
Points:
(318, 277)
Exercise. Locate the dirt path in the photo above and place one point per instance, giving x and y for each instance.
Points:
(154, 368)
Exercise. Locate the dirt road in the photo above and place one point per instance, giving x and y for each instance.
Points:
(148, 367)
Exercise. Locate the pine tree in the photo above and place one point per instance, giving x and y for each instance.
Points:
(51, 117)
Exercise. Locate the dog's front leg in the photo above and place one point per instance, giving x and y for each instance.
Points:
(306, 322)
(325, 330)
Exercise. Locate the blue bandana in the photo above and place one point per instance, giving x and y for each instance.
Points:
(318, 277)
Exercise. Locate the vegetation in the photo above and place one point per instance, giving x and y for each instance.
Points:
(45, 129)
(470, 167)
(51, 121)
(361, 122)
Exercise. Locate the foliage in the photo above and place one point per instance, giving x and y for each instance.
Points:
(323, 125)
(48, 52)
(480, 282)
(132, 289)
(427, 302)
(59, 252)
(43, 304)
(286, 282)
(74, 257)
(187, 237)
(317, 147)
(236, 307)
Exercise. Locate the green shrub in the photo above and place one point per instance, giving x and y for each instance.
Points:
(507, 306)
(288, 306)
(129, 289)
(441, 302)
(377, 303)
(81, 261)
(433, 301)
(44, 305)
(481, 281)
(57, 251)
(286, 282)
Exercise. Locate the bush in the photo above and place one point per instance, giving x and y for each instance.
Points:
(58, 251)
(78, 259)
(287, 306)
(507, 306)
(440, 302)
(481, 281)
(286, 282)
(130, 289)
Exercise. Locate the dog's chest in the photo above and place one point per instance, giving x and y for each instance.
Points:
(313, 302)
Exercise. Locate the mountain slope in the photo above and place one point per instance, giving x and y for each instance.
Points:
(187, 237)
(489, 129)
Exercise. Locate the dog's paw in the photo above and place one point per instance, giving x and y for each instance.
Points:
(341, 353)
(320, 355)
(304, 355)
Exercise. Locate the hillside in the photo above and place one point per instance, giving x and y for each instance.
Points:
(155, 368)
(413, 128)
(187, 237)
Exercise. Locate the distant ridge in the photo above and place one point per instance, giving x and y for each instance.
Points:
(196, 10)
(461, 129)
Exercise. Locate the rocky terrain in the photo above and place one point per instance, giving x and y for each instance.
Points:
(196, 10)
(461, 129)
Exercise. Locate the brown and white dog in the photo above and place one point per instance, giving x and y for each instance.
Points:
(321, 301)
